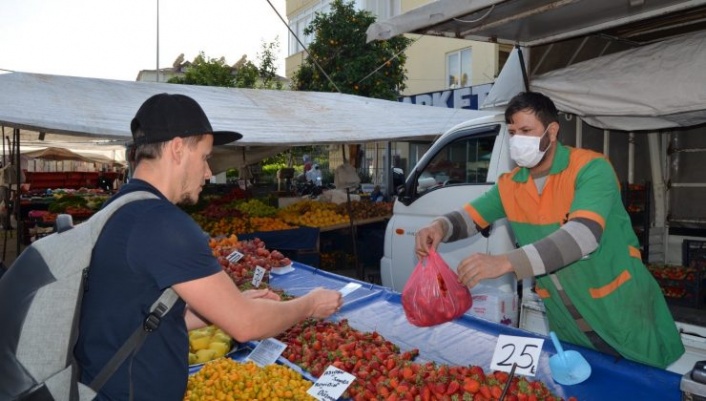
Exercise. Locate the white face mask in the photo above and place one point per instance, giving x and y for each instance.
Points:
(524, 149)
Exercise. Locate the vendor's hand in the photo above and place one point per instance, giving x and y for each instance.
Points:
(428, 237)
(481, 266)
(324, 302)
(263, 293)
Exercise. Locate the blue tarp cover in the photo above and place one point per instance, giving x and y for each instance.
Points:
(471, 341)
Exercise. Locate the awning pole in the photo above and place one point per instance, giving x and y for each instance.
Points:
(16, 204)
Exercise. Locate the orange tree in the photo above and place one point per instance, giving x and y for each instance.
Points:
(374, 69)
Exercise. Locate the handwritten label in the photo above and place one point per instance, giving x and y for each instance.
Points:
(258, 275)
(348, 288)
(523, 351)
(267, 352)
(234, 257)
(331, 385)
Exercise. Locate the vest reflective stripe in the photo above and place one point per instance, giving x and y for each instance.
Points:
(477, 218)
(587, 214)
(634, 252)
(607, 289)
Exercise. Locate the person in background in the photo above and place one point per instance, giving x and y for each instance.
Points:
(576, 239)
(314, 175)
(151, 245)
(376, 195)
(104, 182)
(307, 163)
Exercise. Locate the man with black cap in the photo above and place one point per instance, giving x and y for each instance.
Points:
(151, 245)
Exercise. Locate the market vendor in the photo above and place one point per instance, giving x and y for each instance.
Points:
(150, 245)
(565, 209)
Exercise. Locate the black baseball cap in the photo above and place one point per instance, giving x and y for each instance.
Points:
(164, 117)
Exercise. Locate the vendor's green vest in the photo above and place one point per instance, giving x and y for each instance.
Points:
(611, 288)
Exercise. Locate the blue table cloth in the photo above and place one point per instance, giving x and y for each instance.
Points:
(471, 341)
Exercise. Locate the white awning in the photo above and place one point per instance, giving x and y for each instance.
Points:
(102, 109)
(657, 86)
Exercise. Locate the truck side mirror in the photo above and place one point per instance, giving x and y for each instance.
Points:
(402, 195)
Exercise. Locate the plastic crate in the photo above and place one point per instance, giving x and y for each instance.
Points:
(694, 253)
(681, 285)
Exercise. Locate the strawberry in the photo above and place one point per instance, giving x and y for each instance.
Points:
(471, 385)
(453, 387)
(496, 391)
(390, 363)
(485, 391)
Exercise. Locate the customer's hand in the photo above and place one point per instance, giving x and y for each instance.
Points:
(262, 293)
(324, 302)
(428, 237)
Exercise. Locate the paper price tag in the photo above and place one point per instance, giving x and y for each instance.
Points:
(348, 288)
(523, 351)
(234, 257)
(267, 352)
(331, 385)
(258, 275)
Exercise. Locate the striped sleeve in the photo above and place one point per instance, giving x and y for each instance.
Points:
(473, 216)
(457, 225)
(574, 240)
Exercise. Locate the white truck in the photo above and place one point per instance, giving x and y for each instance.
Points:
(458, 167)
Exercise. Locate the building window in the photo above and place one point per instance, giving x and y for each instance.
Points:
(382, 9)
(302, 20)
(458, 68)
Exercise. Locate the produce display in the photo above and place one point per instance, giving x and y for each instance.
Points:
(382, 370)
(208, 343)
(254, 254)
(80, 204)
(226, 379)
(384, 373)
(313, 213)
(235, 215)
(671, 272)
(678, 283)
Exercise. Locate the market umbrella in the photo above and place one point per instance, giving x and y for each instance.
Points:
(55, 153)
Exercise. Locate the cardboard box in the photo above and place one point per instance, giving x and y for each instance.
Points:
(499, 307)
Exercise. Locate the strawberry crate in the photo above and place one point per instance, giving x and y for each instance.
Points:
(681, 285)
(694, 254)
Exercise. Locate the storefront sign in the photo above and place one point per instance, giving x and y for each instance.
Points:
(470, 97)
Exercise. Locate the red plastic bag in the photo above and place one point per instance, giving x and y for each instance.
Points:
(433, 294)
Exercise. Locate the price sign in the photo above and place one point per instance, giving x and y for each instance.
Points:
(331, 385)
(267, 352)
(234, 257)
(523, 351)
(258, 275)
(348, 288)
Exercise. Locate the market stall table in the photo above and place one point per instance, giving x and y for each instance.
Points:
(471, 341)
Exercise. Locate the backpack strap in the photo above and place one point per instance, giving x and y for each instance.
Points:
(168, 297)
(160, 308)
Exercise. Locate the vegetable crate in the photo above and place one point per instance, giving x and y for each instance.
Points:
(681, 285)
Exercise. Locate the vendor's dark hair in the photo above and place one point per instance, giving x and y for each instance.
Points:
(539, 104)
(153, 151)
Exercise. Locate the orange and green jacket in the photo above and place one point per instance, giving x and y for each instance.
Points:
(609, 291)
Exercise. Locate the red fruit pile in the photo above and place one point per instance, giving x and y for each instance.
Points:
(254, 254)
(383, 373)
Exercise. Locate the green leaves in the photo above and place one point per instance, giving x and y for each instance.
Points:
(339, 47)
(208, 71)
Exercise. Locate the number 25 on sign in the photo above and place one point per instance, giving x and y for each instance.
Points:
(523, 351)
